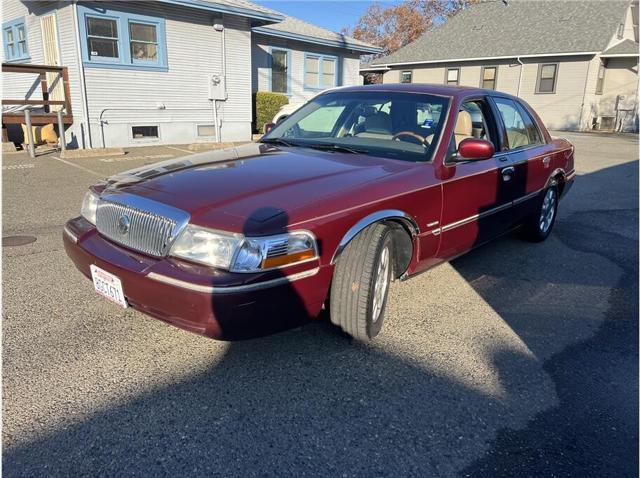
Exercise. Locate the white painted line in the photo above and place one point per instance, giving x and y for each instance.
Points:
(18, 166)
(79, 167)
(134, 158)
(179, 149)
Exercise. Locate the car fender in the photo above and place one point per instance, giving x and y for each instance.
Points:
(407, 224)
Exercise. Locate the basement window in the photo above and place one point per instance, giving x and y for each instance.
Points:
(206, 130)
(144, 132)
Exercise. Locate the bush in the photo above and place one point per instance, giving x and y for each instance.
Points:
(266, 107)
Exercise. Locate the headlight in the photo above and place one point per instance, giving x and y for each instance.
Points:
(208, 247)
(237, 253)
(89, 206)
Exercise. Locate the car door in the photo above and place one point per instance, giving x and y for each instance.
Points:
(476, 194)
(527, 153)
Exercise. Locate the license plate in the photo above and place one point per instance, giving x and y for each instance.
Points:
(108, 286)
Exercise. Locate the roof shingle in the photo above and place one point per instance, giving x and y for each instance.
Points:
(626, 47)
(517, 27)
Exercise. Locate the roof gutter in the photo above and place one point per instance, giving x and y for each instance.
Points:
(619, 55)
(221, 8)
(317, 41)
(480, 58)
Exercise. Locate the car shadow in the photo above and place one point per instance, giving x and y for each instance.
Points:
(310, 401)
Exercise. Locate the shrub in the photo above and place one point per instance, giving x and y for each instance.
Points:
(266, 107)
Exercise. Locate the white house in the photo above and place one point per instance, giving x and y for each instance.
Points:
(575, 62)
(164, 71)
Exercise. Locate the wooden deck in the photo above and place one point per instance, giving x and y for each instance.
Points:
(46, 116)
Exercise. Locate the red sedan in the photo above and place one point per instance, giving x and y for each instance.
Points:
(361, 186)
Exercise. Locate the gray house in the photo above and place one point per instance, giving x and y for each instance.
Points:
(169, 71)
(575, 62)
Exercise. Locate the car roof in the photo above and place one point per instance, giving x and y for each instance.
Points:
(424, 88)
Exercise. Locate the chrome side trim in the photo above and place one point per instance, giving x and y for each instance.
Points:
(71, 235)
(206, 289)
(526, 197)
(467, 220)
(372, 218)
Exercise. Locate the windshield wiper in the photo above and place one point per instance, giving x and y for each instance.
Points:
(279, 141)
(334, 147)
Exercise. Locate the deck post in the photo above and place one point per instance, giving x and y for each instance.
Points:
(32, 146)
(61, 138)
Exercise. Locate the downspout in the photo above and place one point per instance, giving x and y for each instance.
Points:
(584, 95)
(224, 79)
(83, 81)
(519, 76)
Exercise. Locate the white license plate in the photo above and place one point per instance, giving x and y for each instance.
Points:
(108, 285)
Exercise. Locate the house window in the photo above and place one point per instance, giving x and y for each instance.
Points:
(144, 132)
(406, 76)
(547, 76)
(143, 41)
(14, 36)
(102, 37)
(489, 76)
(328, 72)
(320, 71)
(452, 76)
(114, 39)
(279, 71)
(600, 83)
(620, 30)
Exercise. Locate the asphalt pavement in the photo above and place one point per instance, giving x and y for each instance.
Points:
(516, 359)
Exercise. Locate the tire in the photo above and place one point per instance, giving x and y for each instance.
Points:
(538, 226)
(361, 281)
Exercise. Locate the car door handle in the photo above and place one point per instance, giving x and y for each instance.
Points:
(507, 173)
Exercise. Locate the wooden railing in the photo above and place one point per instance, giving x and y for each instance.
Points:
(46, 116)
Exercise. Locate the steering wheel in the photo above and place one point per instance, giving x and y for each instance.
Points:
(422, 139)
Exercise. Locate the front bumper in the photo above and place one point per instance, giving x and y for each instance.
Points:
(214, 303)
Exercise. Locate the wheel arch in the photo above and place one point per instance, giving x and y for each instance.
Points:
(404, 230)
(557, 178)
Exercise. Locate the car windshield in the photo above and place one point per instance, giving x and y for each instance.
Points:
(403, 126)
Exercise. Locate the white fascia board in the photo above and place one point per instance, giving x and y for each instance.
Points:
(535, 55)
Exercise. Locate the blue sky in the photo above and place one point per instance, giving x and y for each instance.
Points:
(329, 14)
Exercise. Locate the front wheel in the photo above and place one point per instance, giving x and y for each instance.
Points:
(538, 226)
(361, 283)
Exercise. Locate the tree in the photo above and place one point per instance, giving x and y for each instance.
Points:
(394, 27)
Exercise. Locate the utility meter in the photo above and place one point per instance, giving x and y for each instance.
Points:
(217, 87)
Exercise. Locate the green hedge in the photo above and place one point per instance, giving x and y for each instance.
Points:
(267, 105)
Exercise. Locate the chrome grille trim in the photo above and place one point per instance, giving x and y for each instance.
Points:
(153, 226)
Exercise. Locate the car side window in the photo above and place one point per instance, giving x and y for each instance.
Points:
(514, 123)
(530, 125)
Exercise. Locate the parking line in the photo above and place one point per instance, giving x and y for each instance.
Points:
(179, 149)
(101, 176)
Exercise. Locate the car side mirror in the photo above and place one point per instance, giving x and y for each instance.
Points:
(472, 149)
(268, 127)
(281, 119)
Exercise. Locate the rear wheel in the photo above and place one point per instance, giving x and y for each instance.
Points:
(361, 283)
(538, 226)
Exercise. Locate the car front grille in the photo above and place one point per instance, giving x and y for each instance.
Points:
(139, 223)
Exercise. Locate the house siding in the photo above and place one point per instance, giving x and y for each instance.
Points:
(348, 67)
(194, 51)
(559, 110)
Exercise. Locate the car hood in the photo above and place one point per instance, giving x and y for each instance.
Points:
(239, 189)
